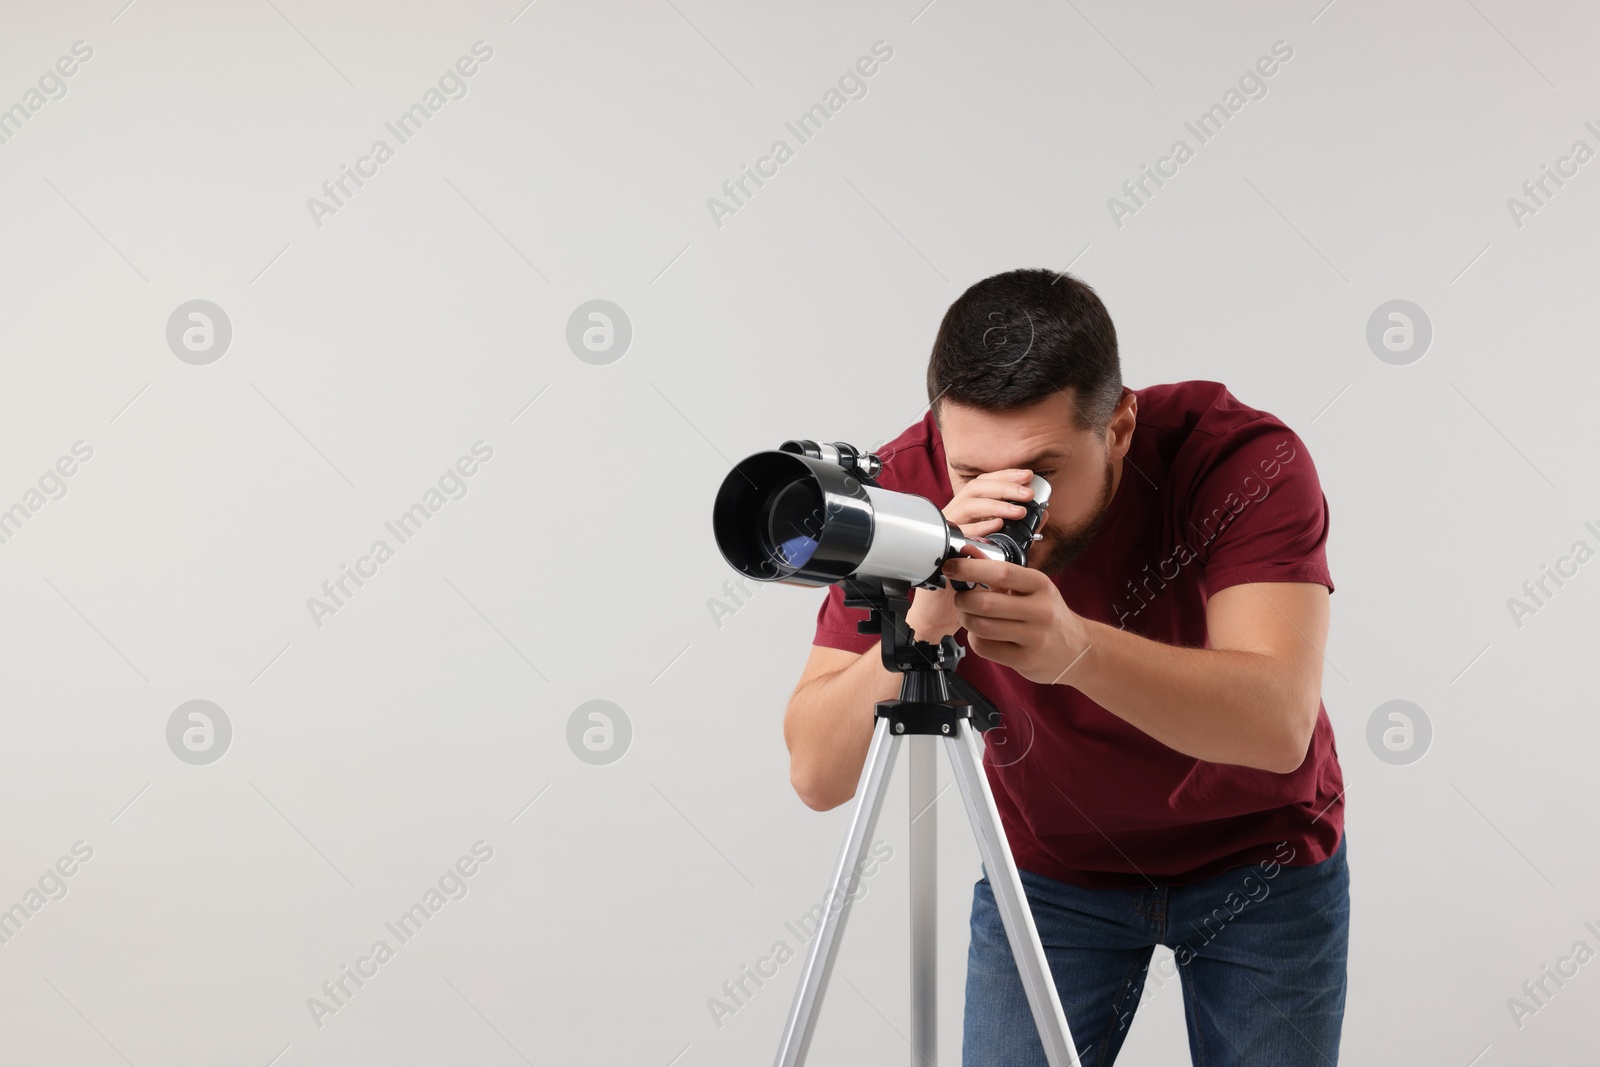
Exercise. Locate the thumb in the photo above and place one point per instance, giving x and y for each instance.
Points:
(970, 552)
(967, 551)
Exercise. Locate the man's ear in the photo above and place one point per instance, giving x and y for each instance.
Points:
(1119, 432)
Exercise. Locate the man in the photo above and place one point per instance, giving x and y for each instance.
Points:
(1166, 773)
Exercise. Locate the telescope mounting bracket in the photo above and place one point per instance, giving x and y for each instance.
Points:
(933, 697)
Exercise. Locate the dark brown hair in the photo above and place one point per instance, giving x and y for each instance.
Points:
(1014, 339)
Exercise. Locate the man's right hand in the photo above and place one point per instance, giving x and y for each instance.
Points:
(979, 508)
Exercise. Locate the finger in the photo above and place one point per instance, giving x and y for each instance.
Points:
(1006, 630)
(982, 510)
(999, 488)
(991, 649)
(1004, 484)
(1012, 485)
(995, 574)
(986, 603)
(990, 500)
(982, 529)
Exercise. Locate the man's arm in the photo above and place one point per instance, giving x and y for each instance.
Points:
(828, 724)
(1250, 699)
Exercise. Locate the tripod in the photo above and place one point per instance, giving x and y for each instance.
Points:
(934, 704)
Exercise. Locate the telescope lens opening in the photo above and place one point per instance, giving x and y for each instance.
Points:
(783, 517)
(794, 517)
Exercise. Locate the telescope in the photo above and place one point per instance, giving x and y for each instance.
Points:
(813, 514)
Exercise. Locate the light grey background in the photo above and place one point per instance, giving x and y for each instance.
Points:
(428, 713)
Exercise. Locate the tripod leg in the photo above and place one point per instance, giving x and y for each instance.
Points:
(836, 907)
(966, 757)
(924, 856)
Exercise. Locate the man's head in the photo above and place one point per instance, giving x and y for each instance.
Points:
(1024, 373)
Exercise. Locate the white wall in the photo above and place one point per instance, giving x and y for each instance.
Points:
(372, 350)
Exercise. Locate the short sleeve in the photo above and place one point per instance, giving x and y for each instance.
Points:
(908, 467)
(1258, 513)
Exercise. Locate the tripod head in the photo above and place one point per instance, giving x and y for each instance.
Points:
(929, 679)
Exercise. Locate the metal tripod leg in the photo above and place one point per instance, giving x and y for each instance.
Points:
(923, 859)
(836, 908)
(966, 759)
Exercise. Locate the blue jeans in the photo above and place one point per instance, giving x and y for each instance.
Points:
(1259, 950)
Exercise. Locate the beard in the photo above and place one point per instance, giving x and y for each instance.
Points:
(1060, 548)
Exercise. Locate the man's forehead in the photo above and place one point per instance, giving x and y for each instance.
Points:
(996, 456)
(992, 442)
(976, 440)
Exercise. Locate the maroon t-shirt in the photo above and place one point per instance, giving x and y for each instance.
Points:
(1213, 493)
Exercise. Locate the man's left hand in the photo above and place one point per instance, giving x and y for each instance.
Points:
(1020, 620)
